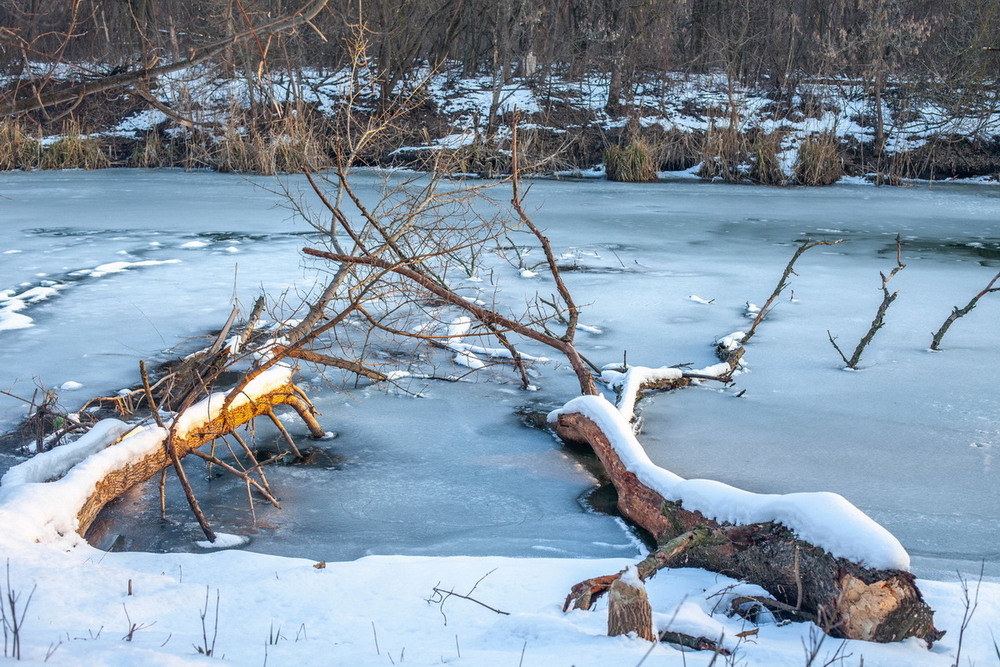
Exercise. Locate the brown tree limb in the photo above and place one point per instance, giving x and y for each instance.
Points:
(692, 642)
(239, 473)
(782, 284)
(961, 312)
(486, 316)
(284, 432)
(335, 362)
(879, 321)
(861, 603)
(550, 260)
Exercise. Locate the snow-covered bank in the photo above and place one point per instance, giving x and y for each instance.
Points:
(467, 117)
(376, 611)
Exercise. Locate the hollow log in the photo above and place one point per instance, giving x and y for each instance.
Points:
(845, 598)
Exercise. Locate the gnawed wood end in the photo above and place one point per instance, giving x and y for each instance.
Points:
(629, 610)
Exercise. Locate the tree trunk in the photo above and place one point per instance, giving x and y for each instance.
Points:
(130, 473)
(846, 599)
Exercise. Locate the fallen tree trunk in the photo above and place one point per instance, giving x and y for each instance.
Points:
(133, 472)
(846, 598)
(64, 489)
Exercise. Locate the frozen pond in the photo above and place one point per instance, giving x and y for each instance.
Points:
(124, 264)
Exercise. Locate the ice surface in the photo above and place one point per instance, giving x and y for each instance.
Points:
(911, 439)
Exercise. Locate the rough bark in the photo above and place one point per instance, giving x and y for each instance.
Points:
(845, 598)
(128, 475)
(629, 611)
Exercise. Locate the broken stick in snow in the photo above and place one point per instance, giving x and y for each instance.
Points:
(782, 284)
(879, 321)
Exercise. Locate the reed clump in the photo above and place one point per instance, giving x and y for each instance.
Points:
(286, 142)
(151, 152)
(630, 163)
(764, 151)
(723, 156)
(820, 160)
(74, 150)
(18, 148)
(743, 157)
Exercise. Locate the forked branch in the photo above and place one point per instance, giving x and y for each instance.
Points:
(782, 284)
(961, 312)
(879, 321)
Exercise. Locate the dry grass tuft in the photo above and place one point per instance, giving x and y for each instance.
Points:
(631, 163)
(285, 143)
(820, 160)
(18, 149)
(75, 150)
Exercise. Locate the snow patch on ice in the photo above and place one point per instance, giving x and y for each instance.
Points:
(224, 541)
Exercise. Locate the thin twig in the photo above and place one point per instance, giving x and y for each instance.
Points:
(783, 283)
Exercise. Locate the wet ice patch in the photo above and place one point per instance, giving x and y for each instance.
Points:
(12, 301)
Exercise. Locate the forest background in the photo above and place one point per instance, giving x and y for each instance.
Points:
(773, 92)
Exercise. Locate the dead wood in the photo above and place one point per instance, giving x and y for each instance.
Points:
(134, 472)
(879, 321)
(962, 312)
(854, 601)
(629, 610)
(488, 317)
(782, 284)
(692, 642)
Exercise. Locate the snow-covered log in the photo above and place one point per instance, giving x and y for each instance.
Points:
(59, 493)
(814, 552)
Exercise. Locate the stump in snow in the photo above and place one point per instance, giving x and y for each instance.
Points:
(845, 598)
(629, 610)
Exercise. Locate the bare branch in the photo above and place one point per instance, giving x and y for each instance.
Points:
(961, 312)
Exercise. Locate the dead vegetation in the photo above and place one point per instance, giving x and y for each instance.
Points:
(630, 163)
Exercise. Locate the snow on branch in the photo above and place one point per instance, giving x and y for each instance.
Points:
(824, 519)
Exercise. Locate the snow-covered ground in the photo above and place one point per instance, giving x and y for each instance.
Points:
(465, 108)
(101, 269)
